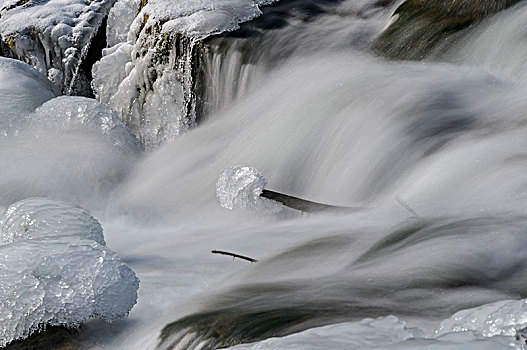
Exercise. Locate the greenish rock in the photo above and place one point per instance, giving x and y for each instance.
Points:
(424, 28)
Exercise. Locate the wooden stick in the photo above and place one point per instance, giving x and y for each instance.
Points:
(233, 255)
(406, 206)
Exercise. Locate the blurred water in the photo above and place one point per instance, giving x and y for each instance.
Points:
(433, 154)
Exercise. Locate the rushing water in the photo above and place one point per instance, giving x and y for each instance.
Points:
(427, 158)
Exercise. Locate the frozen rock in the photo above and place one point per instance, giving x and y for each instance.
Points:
(149, 79)
(55, 37)
(57, 275)
(239, 187)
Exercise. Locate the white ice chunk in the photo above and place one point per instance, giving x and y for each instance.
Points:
(53, 34)
(499, 318)
(239, 187)
(57, 275)
(201, 18)
(71, 112)
(22, 89)
(40, 217)
(120, 18)
(382, 333)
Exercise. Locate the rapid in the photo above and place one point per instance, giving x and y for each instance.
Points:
(424, 163)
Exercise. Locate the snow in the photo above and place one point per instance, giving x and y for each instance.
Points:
(56, 270)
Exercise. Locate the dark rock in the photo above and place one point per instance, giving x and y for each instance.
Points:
(425, 27)
(53, 338)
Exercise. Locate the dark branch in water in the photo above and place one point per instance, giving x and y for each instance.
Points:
(406, 206)
(233, 255)
(299, 203)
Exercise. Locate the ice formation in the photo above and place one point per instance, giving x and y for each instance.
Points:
(56, 270)
(506, 317)
(382, 333)
(149, 79)
(53, 36)
(69, 113)
(41, 218)
(31, 90)
(70, 148)
(239, 187)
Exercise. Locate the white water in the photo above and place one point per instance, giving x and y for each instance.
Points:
(443, 141)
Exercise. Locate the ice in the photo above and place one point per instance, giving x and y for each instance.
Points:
(81, 113)
(31, 89)
(147, 77)
(53, 36)
(56, 270)
(500, 318)
(201, 18)
(239, 187)
(382, 333)
(120, 18)
(40, 218)
(70, 148)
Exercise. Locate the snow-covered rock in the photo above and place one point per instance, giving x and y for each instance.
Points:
(150, 78)
(56, 270)
(56, 37)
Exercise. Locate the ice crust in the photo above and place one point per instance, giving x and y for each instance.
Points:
(239, 187)
(147, 76)
(53, 36)
(500, 318)
(382, 333)
(202, 18)
(56, 270)
(65, 113)
(31, 90)
(69, 148)
(41, 218)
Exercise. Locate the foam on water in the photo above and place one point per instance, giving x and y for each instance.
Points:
(70, 148)
(56, 270)
(353, 130)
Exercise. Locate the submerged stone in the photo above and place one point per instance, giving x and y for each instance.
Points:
(425, 27)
